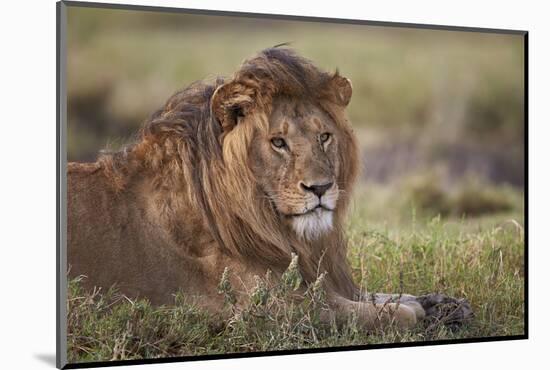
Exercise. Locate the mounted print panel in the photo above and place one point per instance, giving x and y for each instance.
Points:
(237, 184)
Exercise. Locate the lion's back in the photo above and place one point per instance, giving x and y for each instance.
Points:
(94, 219)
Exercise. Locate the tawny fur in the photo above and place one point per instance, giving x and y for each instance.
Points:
(172, 210)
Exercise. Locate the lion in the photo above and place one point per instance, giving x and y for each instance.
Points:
(237, 173)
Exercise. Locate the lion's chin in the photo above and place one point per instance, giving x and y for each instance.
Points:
(313, 224)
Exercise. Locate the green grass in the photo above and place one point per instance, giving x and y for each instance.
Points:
(392, 249)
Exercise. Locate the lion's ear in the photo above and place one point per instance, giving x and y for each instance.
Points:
(231, 102)
(341, 89)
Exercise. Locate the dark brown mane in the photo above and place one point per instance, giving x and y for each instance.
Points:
(182, 148)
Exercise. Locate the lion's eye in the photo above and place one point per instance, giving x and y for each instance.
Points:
(324, 137)
(278, 142)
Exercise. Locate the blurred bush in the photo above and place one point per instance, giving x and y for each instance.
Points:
(475, 197)
(471, 196)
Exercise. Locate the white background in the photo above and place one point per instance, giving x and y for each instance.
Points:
(27, 182)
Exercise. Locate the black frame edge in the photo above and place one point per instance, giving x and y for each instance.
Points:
(526, 182)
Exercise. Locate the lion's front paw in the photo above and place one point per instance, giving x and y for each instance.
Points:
(443, 310)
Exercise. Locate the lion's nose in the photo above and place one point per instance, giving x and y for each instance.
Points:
(317, 189)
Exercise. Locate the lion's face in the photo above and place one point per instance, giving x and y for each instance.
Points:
(284, 119)
(296, 164)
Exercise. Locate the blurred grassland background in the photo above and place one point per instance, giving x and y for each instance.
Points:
(439, 116)
(421, 97)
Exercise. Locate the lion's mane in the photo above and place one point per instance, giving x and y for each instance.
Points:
(201, 166)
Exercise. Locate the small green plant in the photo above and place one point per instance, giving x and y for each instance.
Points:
(260, 293)
(292, 279)
(225, 288)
